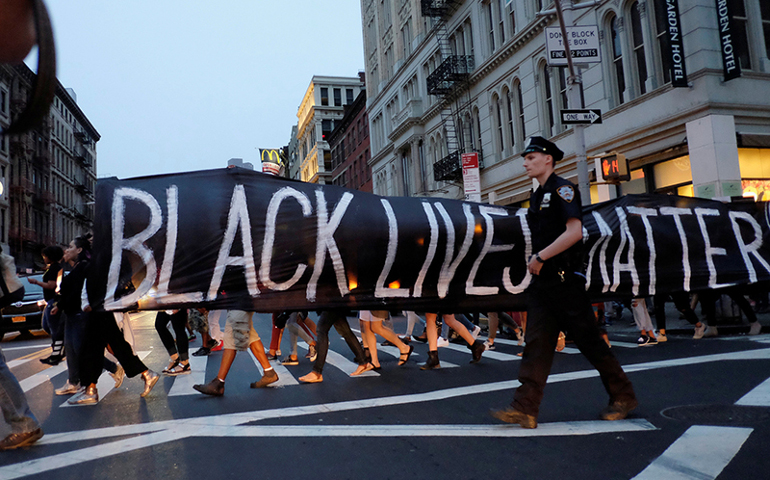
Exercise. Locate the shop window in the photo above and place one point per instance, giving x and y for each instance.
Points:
(672, 172)
(637, 184)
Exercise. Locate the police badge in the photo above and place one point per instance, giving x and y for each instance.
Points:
(566, 192)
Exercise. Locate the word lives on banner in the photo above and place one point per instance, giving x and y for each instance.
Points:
(237, 239)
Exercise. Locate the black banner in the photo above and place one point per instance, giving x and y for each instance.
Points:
(728, 44)
(234, 238)
(674, 41)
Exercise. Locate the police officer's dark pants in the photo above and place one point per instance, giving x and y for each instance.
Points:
(340, 322)
(555, 307)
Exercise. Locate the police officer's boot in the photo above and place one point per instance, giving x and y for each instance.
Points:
(432, 362)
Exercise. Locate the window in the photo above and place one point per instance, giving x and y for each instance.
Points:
(3, 102)
(499, 124)
(549, 106)
(488, 7)
(740, 32)
(637, 38)
(324, 96)
(349, 96)
(520, 102)
(511, 130)
(617, 61)
(500, 9)
(764, 8)
(512, 16)
(406, 37)
(337, 97)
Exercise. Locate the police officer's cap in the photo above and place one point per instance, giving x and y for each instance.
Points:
(540, 144)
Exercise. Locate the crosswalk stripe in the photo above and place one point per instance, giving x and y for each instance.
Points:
(502, 357)
(700, 453)
(183, 383)
(284, 376)
(758, 397)
(105, 384)
(42, 377)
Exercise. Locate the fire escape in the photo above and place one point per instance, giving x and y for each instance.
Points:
(450, 82)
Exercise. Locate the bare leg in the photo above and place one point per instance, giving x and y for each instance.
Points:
(228, 356)
(458, 327)
(370, 341)
(259, 351)
(432, 331)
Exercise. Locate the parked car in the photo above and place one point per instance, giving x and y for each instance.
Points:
(26, 314)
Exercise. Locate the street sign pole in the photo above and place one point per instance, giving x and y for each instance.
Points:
(573, 98)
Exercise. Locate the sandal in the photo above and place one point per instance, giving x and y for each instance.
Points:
(401, 359)
(179, 369)
(171, 365)
(364, 369)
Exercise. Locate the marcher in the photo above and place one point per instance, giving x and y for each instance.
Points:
(476, 347)
(372, 324)
(297, 325)
(51, 323)
(557, 299)
(178, 349)
(239, 335)
(25, 429)
(339, 320)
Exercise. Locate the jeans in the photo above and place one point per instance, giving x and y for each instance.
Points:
(74, 328)
(53, 324)
(13, 402)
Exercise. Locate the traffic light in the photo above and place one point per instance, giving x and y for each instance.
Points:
(614, 167)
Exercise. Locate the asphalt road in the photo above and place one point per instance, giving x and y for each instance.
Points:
(704, 411)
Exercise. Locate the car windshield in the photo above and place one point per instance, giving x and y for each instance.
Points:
(30, 288)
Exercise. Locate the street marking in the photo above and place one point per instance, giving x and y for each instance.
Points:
(284, 376)
(624, 344)
(42, 377)
(183, 384)
(556, 429)
(700, 453)
(27, 347)
(104, 385)
(758, 397)
(173, 430)
(502, 357)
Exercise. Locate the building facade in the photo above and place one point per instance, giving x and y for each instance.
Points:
(485, 61)
(349, 143)
(48, 174)
(321, 107)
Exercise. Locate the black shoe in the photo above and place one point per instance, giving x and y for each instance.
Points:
(214, 387)
(477, 348)
(388, 343)
(52, 360)
(511, 415)
(619, 409)
(202, 352)
(422, 338)
(16, 440)
(432, 362)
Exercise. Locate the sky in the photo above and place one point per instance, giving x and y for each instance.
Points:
(174, 86)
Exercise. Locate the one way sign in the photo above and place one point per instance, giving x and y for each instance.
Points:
(587, 116)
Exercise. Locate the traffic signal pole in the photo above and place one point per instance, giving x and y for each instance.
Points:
(566, 19)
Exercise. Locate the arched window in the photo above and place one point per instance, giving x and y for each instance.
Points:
(499, 124)
(548, 100)
(510, 118)
(520, 110)
(616, 51)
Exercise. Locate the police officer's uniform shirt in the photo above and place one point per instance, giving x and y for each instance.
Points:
(552, 204)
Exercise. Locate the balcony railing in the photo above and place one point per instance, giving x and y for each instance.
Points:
(450, 168)
(437, 8)
(412, 111)
(453, 70)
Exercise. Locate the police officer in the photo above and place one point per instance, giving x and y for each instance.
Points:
(557, 299)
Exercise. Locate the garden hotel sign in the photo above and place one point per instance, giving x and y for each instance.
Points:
(675, 45)
(729, 47)
(234, 238)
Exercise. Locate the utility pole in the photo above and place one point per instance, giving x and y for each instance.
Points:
(565, 15)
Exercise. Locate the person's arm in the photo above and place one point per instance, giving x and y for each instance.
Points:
(49, 285)
(570, 236)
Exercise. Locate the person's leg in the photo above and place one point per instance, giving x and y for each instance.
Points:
(13, 402)
(432, 333)
(370, 341)
(379, 328)
(161, 326)
(179, 323)
(458, 327)
(494, 322)
(228, 356)
(73, 343)
(659, 304)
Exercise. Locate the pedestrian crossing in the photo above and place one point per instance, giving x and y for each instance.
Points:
(182, 385)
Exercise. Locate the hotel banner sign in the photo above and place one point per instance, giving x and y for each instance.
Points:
(233, 238)
(675, 43)
(728, 43)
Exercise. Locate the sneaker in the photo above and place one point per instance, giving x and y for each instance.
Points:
(475, 332)
(312, 353)
(290, 361)
(16, 440)
(489, 345)
(645, 341)
(202, 352)
(191, 337)
(756, 328)
(619, 410)
(118, 376)
(67, 389)
(442, 342)
(699, 331)
(267, 378)
(511, 415)
(215, 388)
(218, 346)
(89, 397)
(662, 337)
